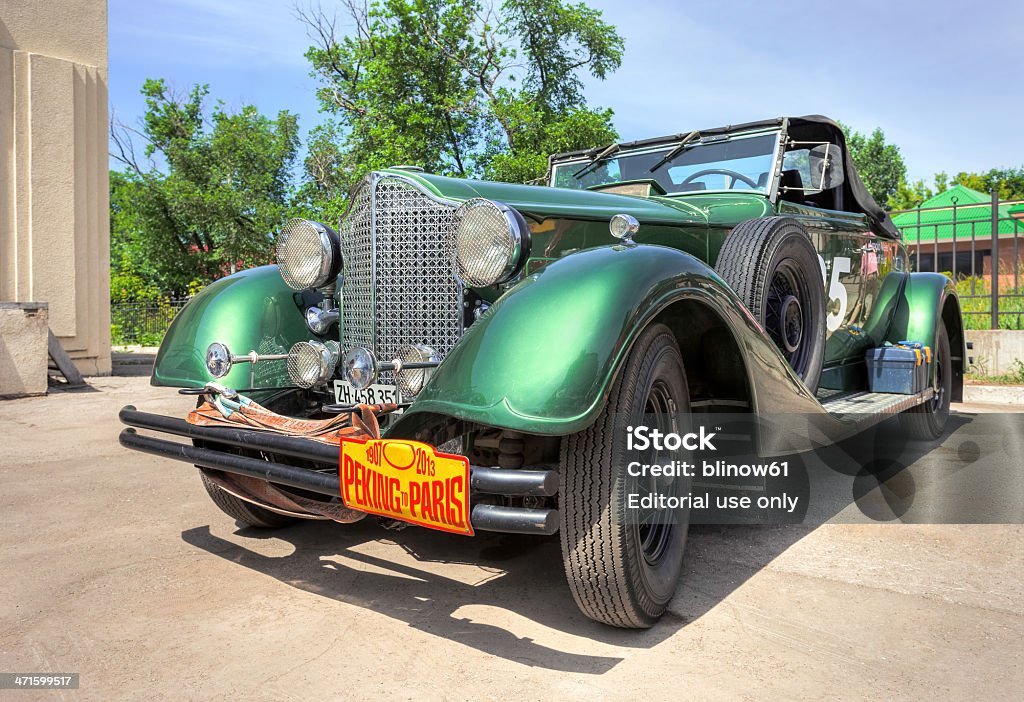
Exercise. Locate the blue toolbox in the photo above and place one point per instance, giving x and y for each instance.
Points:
(903, 368)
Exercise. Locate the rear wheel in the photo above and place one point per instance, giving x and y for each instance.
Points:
(623, 568)
(927, 421)
(773, 267)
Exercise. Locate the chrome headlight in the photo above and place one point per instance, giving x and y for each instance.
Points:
(412, 380)
(312, 362)
(308, 254)
(218, 359)
(491, 242)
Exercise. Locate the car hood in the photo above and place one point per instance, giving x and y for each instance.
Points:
(722, 209)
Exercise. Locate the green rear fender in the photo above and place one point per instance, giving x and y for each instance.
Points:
(543, 358)
(920, 308)
(927, 299)
(249, 311)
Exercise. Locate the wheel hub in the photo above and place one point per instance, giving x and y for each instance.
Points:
(791, 328)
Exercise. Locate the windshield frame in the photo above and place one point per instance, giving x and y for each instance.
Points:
(575, 162)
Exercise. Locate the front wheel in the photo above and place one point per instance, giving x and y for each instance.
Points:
(623, 567)
(243, 511)
(246, 513)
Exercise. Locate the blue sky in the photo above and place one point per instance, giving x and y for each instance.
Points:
(943, 84)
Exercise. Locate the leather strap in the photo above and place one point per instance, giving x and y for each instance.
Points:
(359, 424)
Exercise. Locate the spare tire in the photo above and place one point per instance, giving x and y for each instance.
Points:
(773, 267)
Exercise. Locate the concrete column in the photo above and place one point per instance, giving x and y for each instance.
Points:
(54, 228)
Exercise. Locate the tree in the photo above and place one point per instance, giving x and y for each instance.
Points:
(539, 134)
(459, 88)
(909, 195)
(212, 189)
(879, 164)
(1008, 182)
(321, 194)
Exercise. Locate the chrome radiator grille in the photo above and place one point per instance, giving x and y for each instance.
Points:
(398, 287)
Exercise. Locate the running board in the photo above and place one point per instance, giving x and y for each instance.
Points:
(852, 406)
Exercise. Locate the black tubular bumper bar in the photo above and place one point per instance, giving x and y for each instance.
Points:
(518, 520)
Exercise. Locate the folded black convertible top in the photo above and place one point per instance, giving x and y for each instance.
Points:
(855, 191)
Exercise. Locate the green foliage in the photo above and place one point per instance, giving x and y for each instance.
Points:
(879, 164)
(119, 337)
(909, 195)
(538, 135)
(1008, 182)
(457, 87)
(558, 39)
(976, 297)
(1015, 376)
(128, 286)
(321, 194)
(212, 204)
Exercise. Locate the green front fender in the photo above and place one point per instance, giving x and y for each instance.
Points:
(249, 311)
(543, 358)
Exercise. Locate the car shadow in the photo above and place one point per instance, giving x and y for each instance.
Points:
(525, 577)
(522, 577)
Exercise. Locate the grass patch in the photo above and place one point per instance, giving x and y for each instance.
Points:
(976, 297)
(1014, 377)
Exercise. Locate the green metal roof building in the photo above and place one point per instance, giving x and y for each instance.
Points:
(952, 232)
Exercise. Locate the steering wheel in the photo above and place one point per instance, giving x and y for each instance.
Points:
(720, 171)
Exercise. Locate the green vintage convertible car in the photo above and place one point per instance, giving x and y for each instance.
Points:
(742, 269)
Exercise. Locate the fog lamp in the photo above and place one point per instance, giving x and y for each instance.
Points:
(218, 359)
(360, 367)
(320, 321)
(312, 362)
(412, 380)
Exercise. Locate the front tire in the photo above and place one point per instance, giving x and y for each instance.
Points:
(927, 421)
(243, 511)
(622, 571)
(247, 513)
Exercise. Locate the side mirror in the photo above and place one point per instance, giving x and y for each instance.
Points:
(826, 165)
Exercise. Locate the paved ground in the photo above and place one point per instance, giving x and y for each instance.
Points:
(117, 566)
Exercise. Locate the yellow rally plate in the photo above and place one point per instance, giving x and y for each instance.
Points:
(407, 480)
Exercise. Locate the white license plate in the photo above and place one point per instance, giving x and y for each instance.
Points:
(345, 394)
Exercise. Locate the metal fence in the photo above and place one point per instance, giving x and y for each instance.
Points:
(142, 322)
(977, 245)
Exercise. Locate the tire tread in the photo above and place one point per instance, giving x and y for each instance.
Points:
(594, 525)
(242, 511)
